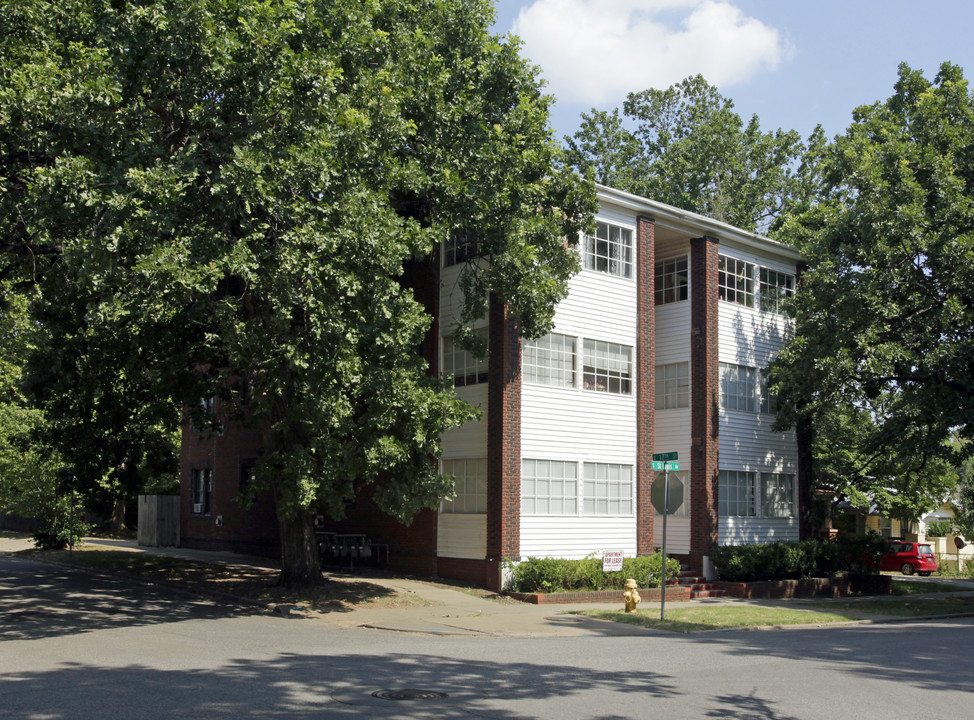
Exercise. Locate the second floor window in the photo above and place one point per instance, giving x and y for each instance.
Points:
(735, 281)
(609, 250)
(550, 360)
(607, 367)
(462, 365)
(672, 386)
(672, 283)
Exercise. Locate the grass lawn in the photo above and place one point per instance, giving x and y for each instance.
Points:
(255, 585)
(906, 607)
(719, 617)
(912, 587)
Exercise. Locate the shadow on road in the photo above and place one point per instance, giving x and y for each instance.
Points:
(39, 600)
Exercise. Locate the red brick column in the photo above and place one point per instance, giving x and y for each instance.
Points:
(645, 380)
(503, 442)
(704, 398)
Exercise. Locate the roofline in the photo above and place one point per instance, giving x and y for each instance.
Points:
(693, 223)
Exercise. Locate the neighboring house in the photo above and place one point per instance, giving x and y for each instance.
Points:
(659, 347)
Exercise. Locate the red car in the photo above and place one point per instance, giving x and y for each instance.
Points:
(909, 558)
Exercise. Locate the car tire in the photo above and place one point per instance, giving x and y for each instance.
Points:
(923, 573)
(907, 569)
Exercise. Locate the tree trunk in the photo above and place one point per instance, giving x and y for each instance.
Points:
(118, 515)
(806, 479)
(300, 564)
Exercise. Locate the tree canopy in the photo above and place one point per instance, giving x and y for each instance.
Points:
(219, 198)
(689, 148)
(882, 360)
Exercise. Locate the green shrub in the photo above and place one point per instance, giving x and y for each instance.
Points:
(796, 560)
(939, 528)
(546, 575)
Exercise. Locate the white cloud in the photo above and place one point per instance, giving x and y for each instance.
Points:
(596, 51)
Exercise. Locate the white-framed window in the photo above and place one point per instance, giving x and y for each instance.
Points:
(738, 387)
(735, 281)
(470, 486)
(459, 248)
(672, 386)
(775, 288)
(736, 494)
(777, 495)
(683, 509)
(607, 489)
(606, 367)
(609, 250)
(201, 490)
(462, 365)
(550, 360)
(769, 401)
(549, 487)
(672, 280)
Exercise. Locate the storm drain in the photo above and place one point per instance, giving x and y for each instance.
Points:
(409, 694)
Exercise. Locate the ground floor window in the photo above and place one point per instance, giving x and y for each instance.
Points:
(470, 485)
(560, 487)
(607, 489)
(748, 494)
(201, 490)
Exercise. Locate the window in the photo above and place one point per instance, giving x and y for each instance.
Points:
(550, 360)
(549, 487)
(777, 495)
(609, 251)
(738, 385)
(736, 495)
(735, 281)
(203, 420)
(671, 281)
(607, 367)
(248, 474)
(775, 288)
(672, 386)
(459, 248)
(201, 491)
(769, 401)
(462, 365)
(470, 486)
(607, 489)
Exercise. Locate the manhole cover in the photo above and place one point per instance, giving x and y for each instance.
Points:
(409, 694)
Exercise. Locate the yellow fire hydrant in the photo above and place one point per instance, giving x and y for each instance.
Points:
(631, 596)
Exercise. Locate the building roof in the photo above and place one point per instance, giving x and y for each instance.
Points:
(694, 223)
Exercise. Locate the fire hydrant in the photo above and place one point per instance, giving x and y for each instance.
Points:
(631, 596)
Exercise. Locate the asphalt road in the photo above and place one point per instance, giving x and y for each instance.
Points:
(74, 645)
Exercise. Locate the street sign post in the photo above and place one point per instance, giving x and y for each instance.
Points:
(665, 462)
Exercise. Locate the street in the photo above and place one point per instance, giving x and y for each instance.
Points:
(74, 645)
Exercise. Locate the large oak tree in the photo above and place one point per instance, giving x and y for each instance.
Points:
(219, 197)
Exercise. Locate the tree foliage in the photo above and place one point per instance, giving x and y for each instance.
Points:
(691, 150)
(219, 198)
(884, 349)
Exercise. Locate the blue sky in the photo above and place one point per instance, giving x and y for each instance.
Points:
(794, 63)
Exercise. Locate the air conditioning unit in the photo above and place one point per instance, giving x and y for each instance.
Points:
(198, 508)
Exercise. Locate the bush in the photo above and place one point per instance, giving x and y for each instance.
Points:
(545, 575)
(939, 528)
(796, 560)
(58, 533)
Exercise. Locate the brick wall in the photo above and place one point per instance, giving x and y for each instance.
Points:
(503, 442)
(645, 380)
(704, 399)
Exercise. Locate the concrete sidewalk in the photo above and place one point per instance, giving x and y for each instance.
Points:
(433, 608)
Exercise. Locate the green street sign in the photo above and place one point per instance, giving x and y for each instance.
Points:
(663, 457)
(657, 465)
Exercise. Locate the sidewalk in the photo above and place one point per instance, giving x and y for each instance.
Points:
(447, 612)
